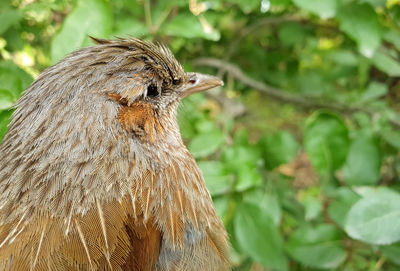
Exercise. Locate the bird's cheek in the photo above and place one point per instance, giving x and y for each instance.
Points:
(141, 120)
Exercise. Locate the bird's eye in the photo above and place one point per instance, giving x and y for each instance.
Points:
(152, 91)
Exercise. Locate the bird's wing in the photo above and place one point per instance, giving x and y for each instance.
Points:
(104, 238)
(165, 219)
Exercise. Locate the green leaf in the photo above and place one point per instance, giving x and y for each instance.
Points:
(318, 247)
(278, 148)
(248, 5)
(312, 83)
(360, 22)
(291, 34)
(374, 91)
(393, 36)
(6, 99)
(391, 252)
(243, 160)
(392, 137)
(323, 8)
(192, 115)
(222, 205)
(241, 138)
(8, 18)
(375, 3)
(130, 27)
(326, 141)
(205, 144)
(5, 117)
(268, 203)
(13, 79)
(218, 181)
(280, 3)
(370, 191)
(386, 64)
(239, 155)
(342, 203)
(189, 26)
(248, 176)
(311, 200)
(258, 237)
(90, 17)
(205, 126)
(342, 57)
(312, 207)
(375, 218)
(363, 162)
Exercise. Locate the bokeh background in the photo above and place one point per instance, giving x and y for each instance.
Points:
(300, 147)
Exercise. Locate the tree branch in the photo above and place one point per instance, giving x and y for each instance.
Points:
(281, 95)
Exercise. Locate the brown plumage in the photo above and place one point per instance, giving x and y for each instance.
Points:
(94, 174)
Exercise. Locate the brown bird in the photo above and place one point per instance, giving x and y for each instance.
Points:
(94, 174)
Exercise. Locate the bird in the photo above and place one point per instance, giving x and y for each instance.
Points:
(94, 174)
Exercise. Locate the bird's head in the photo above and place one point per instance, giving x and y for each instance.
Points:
(150, 72)
(148, 82)
(138, 83)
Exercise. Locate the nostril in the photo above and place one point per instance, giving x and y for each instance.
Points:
(192, 81)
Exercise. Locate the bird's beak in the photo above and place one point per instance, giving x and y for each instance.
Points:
(199, 82)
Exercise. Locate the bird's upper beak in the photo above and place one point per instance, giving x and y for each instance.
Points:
(199, 82)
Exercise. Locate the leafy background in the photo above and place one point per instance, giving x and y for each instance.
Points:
(300, 148)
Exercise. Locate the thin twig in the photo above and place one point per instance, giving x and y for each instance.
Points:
(164, 15)
(281, 95)
(379, 264)
(147, 15)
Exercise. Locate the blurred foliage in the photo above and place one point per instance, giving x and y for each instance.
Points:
(299, 186)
